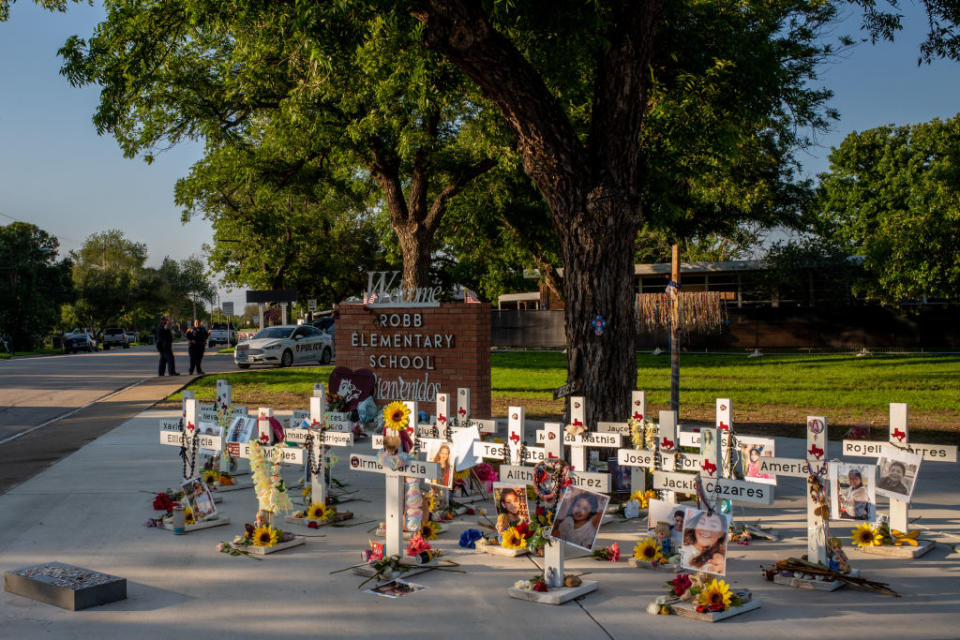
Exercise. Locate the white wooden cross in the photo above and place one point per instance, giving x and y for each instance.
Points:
(329, 438)
(395, 492)
(172, 434)
(445, 424)
(815, 463)
(512, 452)
(899, 439)
(638, 411)
(579, 444)
(664, 458)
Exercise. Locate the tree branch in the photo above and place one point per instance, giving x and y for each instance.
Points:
(418, 180)
(552, 154)
(432, 220)
(387, 174)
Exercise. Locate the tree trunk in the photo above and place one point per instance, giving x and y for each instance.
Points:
(415, 240)
(598, 281)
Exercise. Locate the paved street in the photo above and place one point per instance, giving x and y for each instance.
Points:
(37, 390)
(51, 406)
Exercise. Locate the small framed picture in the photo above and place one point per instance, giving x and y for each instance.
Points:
(441, 452)
(898, 473)
(853, 491)
(670, 514)
(395, 589)
(751, 451)
(511, 502)
(705, 541)
(198, 497)
(578, 517)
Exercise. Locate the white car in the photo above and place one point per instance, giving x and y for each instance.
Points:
(285, 346)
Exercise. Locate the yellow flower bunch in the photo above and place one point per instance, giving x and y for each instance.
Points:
(866, 536)
(318, 511)
(648, 550)
(512, 539)
(396, 416)
(643, 497)
(716, 595)
(265, 536)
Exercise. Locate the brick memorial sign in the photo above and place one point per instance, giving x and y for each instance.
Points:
(416, 352)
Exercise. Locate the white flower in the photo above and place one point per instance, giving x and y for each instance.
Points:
(653, 608)
(523, 585)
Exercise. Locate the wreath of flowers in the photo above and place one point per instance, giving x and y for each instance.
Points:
(643, 433)
(267, 478)
(711, 596)
(550, 478)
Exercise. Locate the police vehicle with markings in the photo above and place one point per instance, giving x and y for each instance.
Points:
(285, 346)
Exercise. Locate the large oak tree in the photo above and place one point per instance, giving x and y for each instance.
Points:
(683, 113)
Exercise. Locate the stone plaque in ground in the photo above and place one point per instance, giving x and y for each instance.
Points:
(65, 586)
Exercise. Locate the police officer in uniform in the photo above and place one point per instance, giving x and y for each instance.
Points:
(197, 337)
(165, 347)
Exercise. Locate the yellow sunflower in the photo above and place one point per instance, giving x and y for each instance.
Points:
(429, 530)
(188, 516)
(317, 511)
(265, 536)
(395, 416)
(866, 536)
(432, 506)
(648, 550)
(512, 539)
(716, 594)
(643, 497)
(210, 476)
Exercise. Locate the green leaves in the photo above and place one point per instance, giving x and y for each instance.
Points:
(892, 196)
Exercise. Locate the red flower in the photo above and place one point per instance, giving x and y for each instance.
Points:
(313, 525)
(614, 550)
(541, 586)
(524, 530)
(163, 503)
(680, 584)
(541, 511)
(470, 511)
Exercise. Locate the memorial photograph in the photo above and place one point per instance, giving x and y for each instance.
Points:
(578, 517)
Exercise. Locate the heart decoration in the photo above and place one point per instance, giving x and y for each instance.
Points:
(354, 386)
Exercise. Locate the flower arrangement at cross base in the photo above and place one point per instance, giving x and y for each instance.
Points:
(708, 595)
(316, 512)
(536, 583)
(611, 553)
(261, 535)
(649, 550)
(868, 535)
(215, 478)
(516, 537)
(165, 502)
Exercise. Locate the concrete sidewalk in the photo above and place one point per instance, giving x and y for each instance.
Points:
(89, 508)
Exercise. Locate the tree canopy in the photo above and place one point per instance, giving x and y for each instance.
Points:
(33, 284)
(892, 197)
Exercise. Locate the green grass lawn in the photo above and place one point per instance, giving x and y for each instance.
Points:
(773, 392)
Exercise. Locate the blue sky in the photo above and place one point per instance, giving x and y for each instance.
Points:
(58, 174)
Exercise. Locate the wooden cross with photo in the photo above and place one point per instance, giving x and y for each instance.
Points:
(191, 441)
(899, 454)
(570, 506)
